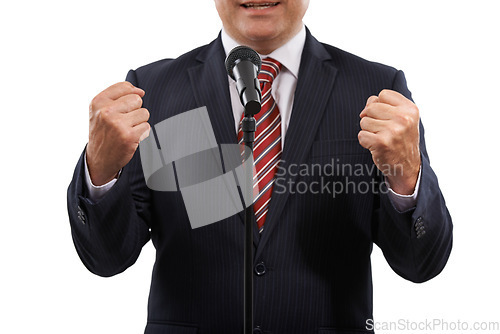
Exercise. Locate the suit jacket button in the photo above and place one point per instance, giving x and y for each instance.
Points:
(420, 234)
(81, 215)
(260, 269)
(419, 225)
(257, 330)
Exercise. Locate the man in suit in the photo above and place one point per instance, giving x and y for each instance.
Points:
(312, 258)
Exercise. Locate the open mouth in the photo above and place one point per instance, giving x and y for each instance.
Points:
(260, 5)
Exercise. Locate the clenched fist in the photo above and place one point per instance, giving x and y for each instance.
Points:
(389, 129)
(116, 126)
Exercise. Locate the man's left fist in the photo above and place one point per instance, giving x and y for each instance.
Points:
(389, 129)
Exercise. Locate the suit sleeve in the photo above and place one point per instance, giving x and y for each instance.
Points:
(416, 243)
(109, 234)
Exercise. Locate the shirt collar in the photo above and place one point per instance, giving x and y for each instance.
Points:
(289, 54)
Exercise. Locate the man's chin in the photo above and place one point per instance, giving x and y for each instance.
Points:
(262, 36)
(261, 32)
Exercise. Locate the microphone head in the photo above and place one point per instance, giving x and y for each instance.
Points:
(241, 53)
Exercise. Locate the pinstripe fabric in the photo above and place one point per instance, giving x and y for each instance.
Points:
(314, 255)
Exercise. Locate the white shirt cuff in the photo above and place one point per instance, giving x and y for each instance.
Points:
(96, 192)
(404, 202)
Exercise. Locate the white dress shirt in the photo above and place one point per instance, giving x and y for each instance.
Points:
(283, 90)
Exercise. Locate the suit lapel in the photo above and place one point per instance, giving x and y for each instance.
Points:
(211, 89)
(314, 87)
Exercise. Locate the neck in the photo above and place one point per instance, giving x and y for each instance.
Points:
(265, 47)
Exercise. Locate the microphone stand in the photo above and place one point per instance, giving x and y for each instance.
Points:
(243, 65)
(248, 127)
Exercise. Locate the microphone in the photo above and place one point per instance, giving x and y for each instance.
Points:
(243, 65)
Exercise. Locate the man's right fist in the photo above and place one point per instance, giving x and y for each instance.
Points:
(117, 124)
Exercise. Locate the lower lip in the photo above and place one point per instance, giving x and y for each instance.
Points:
(260, 10)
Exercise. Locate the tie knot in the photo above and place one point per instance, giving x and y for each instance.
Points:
(269, 70)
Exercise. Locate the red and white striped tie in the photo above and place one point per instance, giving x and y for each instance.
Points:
(267, 145)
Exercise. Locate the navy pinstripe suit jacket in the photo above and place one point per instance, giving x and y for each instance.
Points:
(314, 255)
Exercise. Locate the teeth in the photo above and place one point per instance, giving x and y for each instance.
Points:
(260, 5)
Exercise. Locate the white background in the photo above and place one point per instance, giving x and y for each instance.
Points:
(56, 55)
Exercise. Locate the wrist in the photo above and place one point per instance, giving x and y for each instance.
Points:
(405, 183)
(98, 174)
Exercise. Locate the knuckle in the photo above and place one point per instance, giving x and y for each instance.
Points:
(107, 115)
(365, 122)
(95, 103)
(362, 138)
(134, 101)
(397, 131)
(147, 126)
(125, 85)
(384, 142)
(105, 112)
(121, 88)
(360, 135)
(406, 120)
(410, 120)
(362, 122)
(368, 108)
(384, 93)
(371, 108)
(125, 134)
(415, 110)
(138, 99)
(146, 114)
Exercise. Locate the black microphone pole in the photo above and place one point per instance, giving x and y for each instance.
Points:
(248, 128)
(243, 65)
